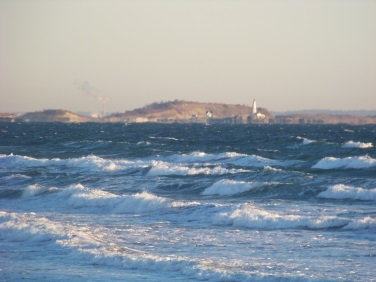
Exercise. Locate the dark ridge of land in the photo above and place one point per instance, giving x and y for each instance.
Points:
(53, 116)
(186, 112)
(183, 110)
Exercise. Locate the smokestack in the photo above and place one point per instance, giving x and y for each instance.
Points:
(91, 91)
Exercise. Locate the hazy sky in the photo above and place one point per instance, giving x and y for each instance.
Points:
(289, 55)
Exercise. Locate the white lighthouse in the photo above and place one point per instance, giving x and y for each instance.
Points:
(254, 108)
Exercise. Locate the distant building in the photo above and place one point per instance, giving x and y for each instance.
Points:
(256, 117)
(254, 108)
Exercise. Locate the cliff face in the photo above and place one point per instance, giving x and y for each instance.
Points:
(182, 110)
(52, 116)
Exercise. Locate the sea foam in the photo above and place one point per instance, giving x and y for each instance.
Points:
(362, 223)
(341, 191)
(28, 228)
(361, 162)
(160, 168)
(79, 196)
(254, 217)
(226, 158)
(92, 245)
(361, 145)
(306, 141)
(90, 162)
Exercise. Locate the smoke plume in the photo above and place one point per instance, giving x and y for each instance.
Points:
(90, 91)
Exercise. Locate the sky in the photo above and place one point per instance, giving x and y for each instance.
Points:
(81, 55)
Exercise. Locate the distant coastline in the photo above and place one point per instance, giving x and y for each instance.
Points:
(195, 112)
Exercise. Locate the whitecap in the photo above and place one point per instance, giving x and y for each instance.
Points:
(341, 191)
(90, 162)
(28, 228)
(361, 145)
(79, 196)
(254, 217)
(306, 141)
(345, 163)
(33, 190)
(140, 203)
(227, 157)
(362, 223)
(160, 168)
(269, 168)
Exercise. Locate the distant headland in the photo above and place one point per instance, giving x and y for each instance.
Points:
(193, 112)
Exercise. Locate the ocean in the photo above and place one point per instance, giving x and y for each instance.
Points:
(187, 202)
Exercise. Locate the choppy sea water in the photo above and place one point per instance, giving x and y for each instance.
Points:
(187, 202)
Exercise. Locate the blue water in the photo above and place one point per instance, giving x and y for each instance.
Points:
(187, 202)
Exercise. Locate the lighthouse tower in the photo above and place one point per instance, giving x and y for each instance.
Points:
(254, 108)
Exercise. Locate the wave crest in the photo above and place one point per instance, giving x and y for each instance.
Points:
(361, 145)
(361, 162)
(253, 217)
(82, 197)
(341, 191)
(230, 187)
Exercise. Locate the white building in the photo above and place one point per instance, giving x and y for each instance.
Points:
(256, 115)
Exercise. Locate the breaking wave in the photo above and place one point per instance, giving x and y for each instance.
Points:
(230, 187)
(253, 217)
(306, 141)
(341, 191)
(361, 162)
(101, 247)
(174, 164)
(227, 157)
(160, 168)
(361, 145)
(79, 196)
(89, 162)
(35, 189)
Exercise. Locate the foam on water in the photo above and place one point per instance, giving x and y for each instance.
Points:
(227, 158)
(361, 145)
(172, 165)
(90, 162)
(269, 168)
(28, 228)
(254, 217)
(165, 168)
(79, 196)
(362, 223)
(230, 187)
(341, 191)
(99, 201)
(100, 247)
(211, 203)
(306, 141)
(361, 162)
